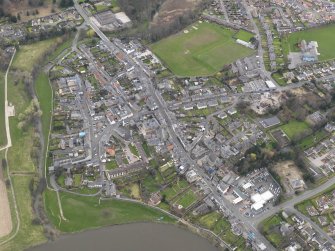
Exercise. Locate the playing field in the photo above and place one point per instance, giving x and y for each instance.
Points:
(201, 49)
(325, 36)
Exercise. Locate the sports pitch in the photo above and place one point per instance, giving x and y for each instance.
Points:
(202, 49)
(325, 36)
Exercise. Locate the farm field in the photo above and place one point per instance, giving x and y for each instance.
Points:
(93, 214)
(325, 37)
(202, 49)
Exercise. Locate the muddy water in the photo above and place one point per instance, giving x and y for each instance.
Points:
(130, 237)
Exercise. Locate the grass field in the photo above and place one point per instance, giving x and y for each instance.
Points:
(3, 138)
(86, 212)
(325, 36)
(200, 52)
(28, 55)
(44, 95)
(294, 127)
(244, 35)
(187, 199)
(220, 226)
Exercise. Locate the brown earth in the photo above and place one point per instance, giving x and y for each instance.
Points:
(5, 215)
(287, 171)
(172, 9)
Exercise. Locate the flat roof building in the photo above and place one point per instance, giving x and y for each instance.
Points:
(261, 199)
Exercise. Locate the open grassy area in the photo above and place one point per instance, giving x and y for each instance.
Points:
(44, 95)
(279, 79)
(209, 220)
(115, 6)
(244, 35)
(294, 127)
(92, 214)
(3, 139)
(325, 37)
(111, 165)
(270, 229)
(134, 150)
(187, 199)
(214, 221)
(19, 155)
(28, 55)
(28, 234)
(204, 50)
(177, 187)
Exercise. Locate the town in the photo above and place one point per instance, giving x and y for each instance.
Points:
(227, 127)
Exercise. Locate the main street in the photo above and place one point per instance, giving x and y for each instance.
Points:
(250, 224)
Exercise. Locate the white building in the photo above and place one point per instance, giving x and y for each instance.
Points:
(260, 200)
(270, 85)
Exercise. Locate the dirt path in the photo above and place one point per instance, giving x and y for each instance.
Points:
(5, 215)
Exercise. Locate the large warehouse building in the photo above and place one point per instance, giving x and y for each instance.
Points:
(260, 200)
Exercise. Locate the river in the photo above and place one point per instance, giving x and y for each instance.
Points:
(130, 237)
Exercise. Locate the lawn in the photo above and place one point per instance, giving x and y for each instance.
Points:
(294, 127)
(269, 223)
(3, 139)
(244, 35)
(187, 199)
(279, 79)
(172, 191)
(86, 212)
(110, 165)
(325, 36)
(133, 150)
(209, 220)
(203, 51)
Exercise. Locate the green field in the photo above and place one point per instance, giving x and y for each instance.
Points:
(19, 155)
(3, 138)
(86, 212)
(294, 127)
(244, 35)
(200, 52)
(30, 54)
(325, 36)
(44, 94)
